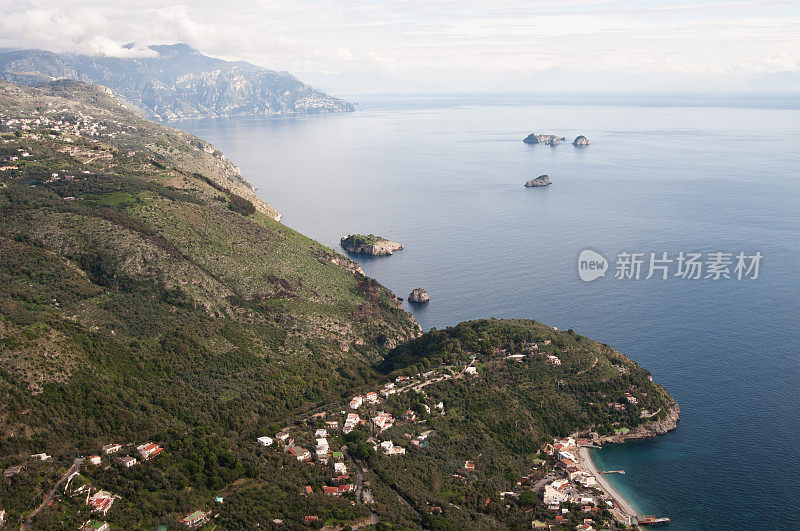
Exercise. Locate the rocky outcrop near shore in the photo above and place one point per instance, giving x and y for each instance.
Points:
(550, 140)
(369, 244)
(580, 141)
(419, 296)
(650, 429)
(540, 181)
(341, 261)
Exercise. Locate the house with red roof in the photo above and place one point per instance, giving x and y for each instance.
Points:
(149, 450)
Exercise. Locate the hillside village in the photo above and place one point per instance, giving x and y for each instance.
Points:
(558, 477)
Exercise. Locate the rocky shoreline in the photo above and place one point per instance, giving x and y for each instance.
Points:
(550, 140)
(419, 296)
(539, 182)
(371, 245)
(650, 429)
(581, 141)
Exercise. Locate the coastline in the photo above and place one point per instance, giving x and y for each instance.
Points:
(623, 511)
(621, 504)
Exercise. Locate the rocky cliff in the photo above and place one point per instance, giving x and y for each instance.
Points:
(540, 181)
(369, 244)
(419, 295)
(581, 141)
(651, 429)
(177, 82)
(550, 140)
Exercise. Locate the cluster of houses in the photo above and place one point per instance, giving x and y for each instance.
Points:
(17, 469)
(373, 397)
(530, 348)
(323, 455)
(146, 451)
(101, 501)
(383, 421)
(568, 489)
(80, 125)
(621, 407)
(380, 422)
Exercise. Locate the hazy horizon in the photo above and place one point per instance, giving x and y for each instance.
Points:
(410, 46)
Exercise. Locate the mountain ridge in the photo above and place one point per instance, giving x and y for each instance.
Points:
(177, 83)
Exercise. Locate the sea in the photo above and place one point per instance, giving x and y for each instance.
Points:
(715, 177)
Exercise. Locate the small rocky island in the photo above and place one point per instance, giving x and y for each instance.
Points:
(542, 180)
(580, 141)
(419, 295)
(369, 244)
(550, 140)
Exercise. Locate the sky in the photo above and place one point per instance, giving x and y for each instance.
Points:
(445, 45)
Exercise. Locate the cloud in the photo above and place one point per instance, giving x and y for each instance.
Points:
(445, 41)
(77, 30)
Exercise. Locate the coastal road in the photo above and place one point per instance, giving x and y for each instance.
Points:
(76, 466)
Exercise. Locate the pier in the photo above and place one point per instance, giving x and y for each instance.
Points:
(612, 472)
(652, 520)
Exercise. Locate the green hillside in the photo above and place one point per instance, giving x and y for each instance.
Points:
(131, 278)
(146, 294)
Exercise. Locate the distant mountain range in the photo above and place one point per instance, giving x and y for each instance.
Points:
(179, 82)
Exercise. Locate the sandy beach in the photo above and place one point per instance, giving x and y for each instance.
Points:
(585, 460)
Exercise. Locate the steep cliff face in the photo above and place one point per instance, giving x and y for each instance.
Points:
(667, 423)
(178, 82)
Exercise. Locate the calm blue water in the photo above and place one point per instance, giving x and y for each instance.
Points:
(446, 181)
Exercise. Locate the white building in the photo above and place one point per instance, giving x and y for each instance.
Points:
(356, 402)
(111, 448)
(127, 461)
(351, 422)
(387, 445)
(553, 496)
(265, 441)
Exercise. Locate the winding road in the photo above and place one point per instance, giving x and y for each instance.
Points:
(76, 466)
